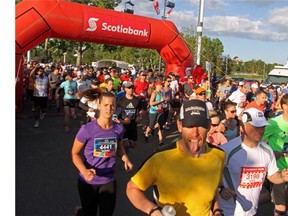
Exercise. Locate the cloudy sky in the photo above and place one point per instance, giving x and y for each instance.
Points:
(249, 29)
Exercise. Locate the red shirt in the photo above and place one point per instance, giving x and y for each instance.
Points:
(140, 86)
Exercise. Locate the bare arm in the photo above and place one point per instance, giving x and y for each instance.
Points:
(279, 177)
(78, 162)
(122, 154)
(139, 200)
(152, 99)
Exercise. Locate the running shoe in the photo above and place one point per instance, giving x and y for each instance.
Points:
(36, 124)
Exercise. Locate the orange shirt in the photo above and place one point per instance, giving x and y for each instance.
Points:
(255, 105)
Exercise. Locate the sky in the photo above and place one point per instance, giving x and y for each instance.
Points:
(248, 29)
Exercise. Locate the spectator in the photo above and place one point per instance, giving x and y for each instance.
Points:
(259, 102)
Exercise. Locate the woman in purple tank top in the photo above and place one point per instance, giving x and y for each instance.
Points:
(100, 140)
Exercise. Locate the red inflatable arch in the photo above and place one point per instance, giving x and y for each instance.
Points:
(37, 20)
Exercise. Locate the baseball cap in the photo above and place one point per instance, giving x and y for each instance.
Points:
(127, 84)
(254, 117)
(241, 83)
(95, 82)
(106, 77)
(254, 85)
(158, 83)
(143, 73)
(79, 73)
(199, 90)
(194, 113)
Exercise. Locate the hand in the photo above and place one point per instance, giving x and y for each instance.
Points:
(126, 120)
(128, 166)
(227, 193)
(89, 174)
(278, 154)
(284, 175)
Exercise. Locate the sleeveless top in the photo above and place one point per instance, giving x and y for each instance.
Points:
(229, 132)
(156, 108)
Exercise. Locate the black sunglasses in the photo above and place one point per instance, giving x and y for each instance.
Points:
(215, 125)
(202, 93)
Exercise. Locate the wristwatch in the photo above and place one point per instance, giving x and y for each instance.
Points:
(220, 188)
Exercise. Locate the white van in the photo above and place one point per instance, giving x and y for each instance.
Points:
(277, 76)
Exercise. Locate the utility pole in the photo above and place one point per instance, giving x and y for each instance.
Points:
(200, 30)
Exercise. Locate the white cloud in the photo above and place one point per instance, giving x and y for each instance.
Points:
(279, 19)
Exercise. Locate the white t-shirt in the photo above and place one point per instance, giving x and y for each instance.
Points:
(238, 97)
(83, 84)
(245, 171)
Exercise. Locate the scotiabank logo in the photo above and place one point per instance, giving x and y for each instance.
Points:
(92, 22)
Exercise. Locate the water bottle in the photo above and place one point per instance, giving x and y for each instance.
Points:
(168, 210)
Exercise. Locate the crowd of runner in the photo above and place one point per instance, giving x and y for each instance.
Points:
(157, 100)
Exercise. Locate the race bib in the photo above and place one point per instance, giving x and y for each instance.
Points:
(105, 147)
(252, 177)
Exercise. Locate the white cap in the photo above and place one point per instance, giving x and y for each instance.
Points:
(254, 85)
(79, 73)
(241, 83)
(254, 117)
(106, 77)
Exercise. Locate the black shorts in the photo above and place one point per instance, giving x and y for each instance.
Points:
(40, 102)
(278, 193)
(72, 103)
(131, 131)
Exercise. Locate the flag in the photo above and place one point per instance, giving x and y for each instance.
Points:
(169, 11)
(130, 3)
(156, 7)
(198, 74)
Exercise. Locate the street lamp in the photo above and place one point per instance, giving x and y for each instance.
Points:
(127, 9)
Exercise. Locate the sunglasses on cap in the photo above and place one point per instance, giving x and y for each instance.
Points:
(202, 93)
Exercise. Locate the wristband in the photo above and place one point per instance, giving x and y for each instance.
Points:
(218, 210)
(155, 208)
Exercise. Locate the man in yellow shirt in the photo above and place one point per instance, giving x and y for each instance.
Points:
(186, 174)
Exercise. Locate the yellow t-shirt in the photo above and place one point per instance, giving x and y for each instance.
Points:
(189, 184)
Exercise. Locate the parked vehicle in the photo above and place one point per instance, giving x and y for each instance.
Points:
(277, 76)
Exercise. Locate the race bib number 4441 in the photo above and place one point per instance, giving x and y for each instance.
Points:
(105, 147)
(252, 177)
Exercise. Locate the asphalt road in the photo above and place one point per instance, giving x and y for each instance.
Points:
(46, 179)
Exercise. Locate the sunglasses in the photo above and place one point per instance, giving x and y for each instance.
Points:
(215, 125)
(232, 111)
(202, 93)
(130, 87)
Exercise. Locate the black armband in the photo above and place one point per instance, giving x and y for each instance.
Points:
(155, 208)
